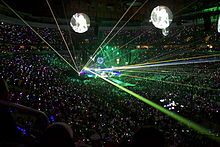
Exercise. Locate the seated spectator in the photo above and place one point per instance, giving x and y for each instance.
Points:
(7, 124)
(148, 136)
(96, 140)
(58, 134)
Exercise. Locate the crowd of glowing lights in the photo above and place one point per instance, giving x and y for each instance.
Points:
(161, 18)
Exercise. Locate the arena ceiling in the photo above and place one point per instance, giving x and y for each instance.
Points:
(105, 10)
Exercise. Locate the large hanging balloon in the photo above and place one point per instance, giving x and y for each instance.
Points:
(161, 17)
(80, 22)
(165, 32)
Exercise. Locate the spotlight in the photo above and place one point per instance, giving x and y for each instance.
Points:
(92, 58)
(210, 46)
(100, 60)
(117, 61)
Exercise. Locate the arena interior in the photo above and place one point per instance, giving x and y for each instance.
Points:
(109, 73)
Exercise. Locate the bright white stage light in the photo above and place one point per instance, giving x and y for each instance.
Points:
(92, 58)
(80, 22)
(165, 32)
(161, 17)
(219, 24)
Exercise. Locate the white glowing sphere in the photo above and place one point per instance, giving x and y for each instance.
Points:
(219, 24)
(161, 17)
(80, 22)
(165, 32)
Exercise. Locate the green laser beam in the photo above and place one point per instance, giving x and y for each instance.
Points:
(38, 34)
(175, 116)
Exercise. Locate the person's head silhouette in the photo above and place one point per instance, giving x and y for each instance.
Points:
(3, 90)
(58, 134)
(148, 136)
